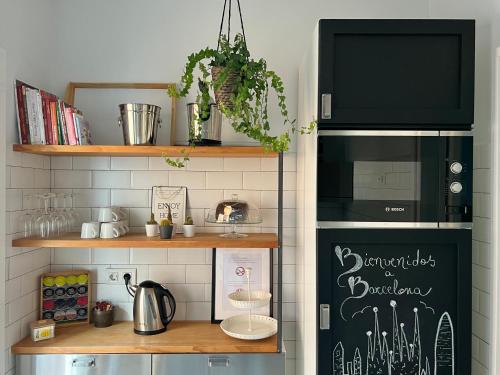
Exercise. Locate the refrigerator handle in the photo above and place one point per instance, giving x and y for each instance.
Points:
(324, 317)
(326, 106)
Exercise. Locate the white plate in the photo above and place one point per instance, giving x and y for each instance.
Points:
(258, 298)
(237, 327)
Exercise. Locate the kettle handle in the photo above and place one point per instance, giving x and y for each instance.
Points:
(162, 293)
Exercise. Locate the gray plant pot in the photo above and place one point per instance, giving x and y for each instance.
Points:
(166, 232)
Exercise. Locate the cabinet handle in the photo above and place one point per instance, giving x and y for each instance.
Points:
(324, 317)
(83, 362)
(326, 106)
(218, 362)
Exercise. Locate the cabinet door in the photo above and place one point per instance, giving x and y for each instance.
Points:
(83, 364)
(416, 73)
(394, 302)
(233, 364)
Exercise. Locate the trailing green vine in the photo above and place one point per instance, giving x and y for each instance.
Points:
(248, 112)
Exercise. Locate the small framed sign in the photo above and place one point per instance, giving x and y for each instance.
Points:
(174, 197)
(228, 276)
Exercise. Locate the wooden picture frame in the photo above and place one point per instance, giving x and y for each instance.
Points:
(218, 316)
(69, 96)
(76, 295)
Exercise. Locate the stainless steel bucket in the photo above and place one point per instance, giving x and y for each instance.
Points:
(207, 132)
(139, 123)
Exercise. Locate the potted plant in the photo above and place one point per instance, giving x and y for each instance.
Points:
(152, 228)
(189, 228)
(241, 86)
(166, 229)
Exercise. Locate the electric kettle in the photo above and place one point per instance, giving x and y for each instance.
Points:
(151, 313)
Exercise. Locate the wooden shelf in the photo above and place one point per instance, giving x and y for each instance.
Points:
(171, 151)
(201, 240)
(180, 337)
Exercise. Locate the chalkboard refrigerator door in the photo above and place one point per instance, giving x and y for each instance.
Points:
(394, 302)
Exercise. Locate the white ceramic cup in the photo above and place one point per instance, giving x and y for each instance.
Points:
(110, 214)
(122, 227)
(109, 230)
(90, 230)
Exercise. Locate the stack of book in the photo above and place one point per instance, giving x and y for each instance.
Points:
(43, 118)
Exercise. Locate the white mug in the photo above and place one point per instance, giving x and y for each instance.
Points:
(90, 230)
(122, 227)
(109, 230)
(110, 214)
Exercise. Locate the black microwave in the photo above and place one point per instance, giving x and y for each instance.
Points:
(394, 178)
(402, 74)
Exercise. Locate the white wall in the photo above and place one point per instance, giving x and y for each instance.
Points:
(121, 41)
(26, 31)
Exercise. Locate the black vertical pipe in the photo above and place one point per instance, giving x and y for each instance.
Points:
(280, 251)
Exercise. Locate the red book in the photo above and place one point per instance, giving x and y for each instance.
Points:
(47, 126)
(24, 136)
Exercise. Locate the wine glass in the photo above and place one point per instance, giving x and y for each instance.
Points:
(26, 220)
(44, 221)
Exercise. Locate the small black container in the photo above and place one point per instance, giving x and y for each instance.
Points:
(103, 319)
(166, 231)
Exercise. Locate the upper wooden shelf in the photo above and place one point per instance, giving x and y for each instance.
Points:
(201, 240)
(180, 337)
(171, 151)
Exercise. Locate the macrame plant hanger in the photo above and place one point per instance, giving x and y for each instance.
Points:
(224, 92)
(229, 21)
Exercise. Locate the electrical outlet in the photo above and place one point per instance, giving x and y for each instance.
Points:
(115, 275)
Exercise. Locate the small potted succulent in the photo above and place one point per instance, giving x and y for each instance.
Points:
(152, 228)
(189, 228)
(166, 229)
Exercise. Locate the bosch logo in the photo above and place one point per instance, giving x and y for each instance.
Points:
(394, 209)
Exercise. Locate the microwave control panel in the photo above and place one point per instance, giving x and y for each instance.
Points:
(457, 171)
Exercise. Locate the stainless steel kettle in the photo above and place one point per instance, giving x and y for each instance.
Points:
(154, 307)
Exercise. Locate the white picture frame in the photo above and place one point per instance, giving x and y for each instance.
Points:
(175, 196)
(226, 279)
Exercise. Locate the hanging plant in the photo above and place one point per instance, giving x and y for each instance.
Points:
(241, 87)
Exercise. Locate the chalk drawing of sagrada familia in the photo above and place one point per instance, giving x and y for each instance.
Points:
(401, 356)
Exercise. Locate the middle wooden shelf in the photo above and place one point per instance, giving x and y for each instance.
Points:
(137, 240)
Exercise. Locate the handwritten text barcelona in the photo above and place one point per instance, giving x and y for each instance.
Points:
(360, 288)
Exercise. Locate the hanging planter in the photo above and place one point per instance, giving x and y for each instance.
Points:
(241, 85)
(225, 92)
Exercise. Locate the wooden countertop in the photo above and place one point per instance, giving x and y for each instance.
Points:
(180, 337)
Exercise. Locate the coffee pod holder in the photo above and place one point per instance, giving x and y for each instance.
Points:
(249, 326)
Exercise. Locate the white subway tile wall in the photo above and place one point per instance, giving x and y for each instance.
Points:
(481, 259)
(25, 175)
(127, 182)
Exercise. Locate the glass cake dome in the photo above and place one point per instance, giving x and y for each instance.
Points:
(233, 212)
